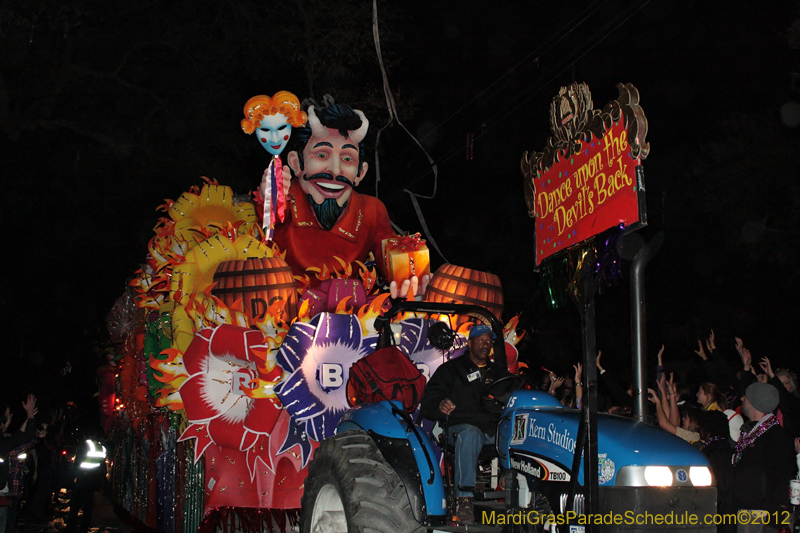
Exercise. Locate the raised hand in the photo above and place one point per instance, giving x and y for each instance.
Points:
(747, 359)
(739, 345)
(578, 373)
(555, 382)
(7, 423)
(766, 366)
(653, 397)
(710, 342)
(599, 353)
(30, 406)
(700, 351)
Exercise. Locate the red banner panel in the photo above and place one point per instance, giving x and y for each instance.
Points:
(583, 195)
(588, 177)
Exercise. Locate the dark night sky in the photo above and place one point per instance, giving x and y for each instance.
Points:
(106, 111)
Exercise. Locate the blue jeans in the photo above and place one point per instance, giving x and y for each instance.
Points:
(469, 442)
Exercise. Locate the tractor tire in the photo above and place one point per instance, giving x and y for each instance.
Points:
(351, 488)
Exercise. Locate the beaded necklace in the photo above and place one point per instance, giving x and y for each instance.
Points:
(712, 439)
(747, 439)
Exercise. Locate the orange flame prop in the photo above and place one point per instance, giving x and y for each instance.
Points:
(326, 273)
(368, 277)
(273, 326)
(304, 313)
(342, 308)
(170, 370)
(368, 313)
(510, 331)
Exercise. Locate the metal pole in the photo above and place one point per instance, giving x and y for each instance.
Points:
(590, 479)
(586, 443)
(638, 327)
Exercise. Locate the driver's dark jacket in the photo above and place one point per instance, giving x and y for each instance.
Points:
(450, 381)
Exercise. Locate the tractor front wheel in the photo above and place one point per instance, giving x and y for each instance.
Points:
(351, 488)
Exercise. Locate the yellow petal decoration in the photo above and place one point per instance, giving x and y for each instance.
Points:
(198, 215)
(182, 329)
(205, 229)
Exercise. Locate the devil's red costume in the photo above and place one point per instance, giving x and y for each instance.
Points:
(360, 230)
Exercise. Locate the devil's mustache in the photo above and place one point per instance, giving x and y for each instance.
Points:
(328, 176)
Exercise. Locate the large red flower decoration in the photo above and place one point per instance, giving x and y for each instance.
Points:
(228, 395)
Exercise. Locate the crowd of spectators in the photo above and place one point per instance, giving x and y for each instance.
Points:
(745, 418)
(36, 461)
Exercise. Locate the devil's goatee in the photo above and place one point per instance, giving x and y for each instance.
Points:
(328, 212)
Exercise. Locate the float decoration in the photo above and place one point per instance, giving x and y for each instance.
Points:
(456, 284)
(247, 379)
(247, 520)
(589, 177)
(317, 357)
(297, 437)
(273, 197)
(272, 120)
(229, 391)
(405, 257)
(257, 283)
(336, 286)
(608, 260)
(564, 275)
(200, 215)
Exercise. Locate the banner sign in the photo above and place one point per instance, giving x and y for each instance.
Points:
(589, 178)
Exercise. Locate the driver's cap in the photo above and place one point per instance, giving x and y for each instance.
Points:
(479, 330)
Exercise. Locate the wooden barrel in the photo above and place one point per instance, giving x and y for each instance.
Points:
(455, 284)
(259, 282)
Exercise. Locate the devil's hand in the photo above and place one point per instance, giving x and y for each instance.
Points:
(413, 286)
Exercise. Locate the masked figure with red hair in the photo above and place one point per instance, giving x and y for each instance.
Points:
(272, 120)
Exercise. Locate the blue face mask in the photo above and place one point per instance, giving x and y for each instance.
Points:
(273, 133)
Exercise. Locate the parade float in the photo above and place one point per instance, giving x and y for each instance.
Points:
(236, 335)
(564, 469)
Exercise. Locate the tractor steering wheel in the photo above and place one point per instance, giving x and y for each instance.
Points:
(492, 402)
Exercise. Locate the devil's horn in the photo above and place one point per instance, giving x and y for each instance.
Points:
(317, 129)
(358, 135)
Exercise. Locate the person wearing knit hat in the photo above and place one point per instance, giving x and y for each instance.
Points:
(763, 397)
(763, 461)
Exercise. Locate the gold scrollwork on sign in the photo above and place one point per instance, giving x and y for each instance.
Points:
(573, 120)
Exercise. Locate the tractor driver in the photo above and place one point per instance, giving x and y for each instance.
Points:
(454, 394)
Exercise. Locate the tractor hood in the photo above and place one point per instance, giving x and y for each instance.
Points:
(541, 435)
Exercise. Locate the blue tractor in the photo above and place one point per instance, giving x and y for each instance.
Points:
(380, 471)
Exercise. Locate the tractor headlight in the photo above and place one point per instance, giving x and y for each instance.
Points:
(658, 476)
(700, 476)
(664, 476)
